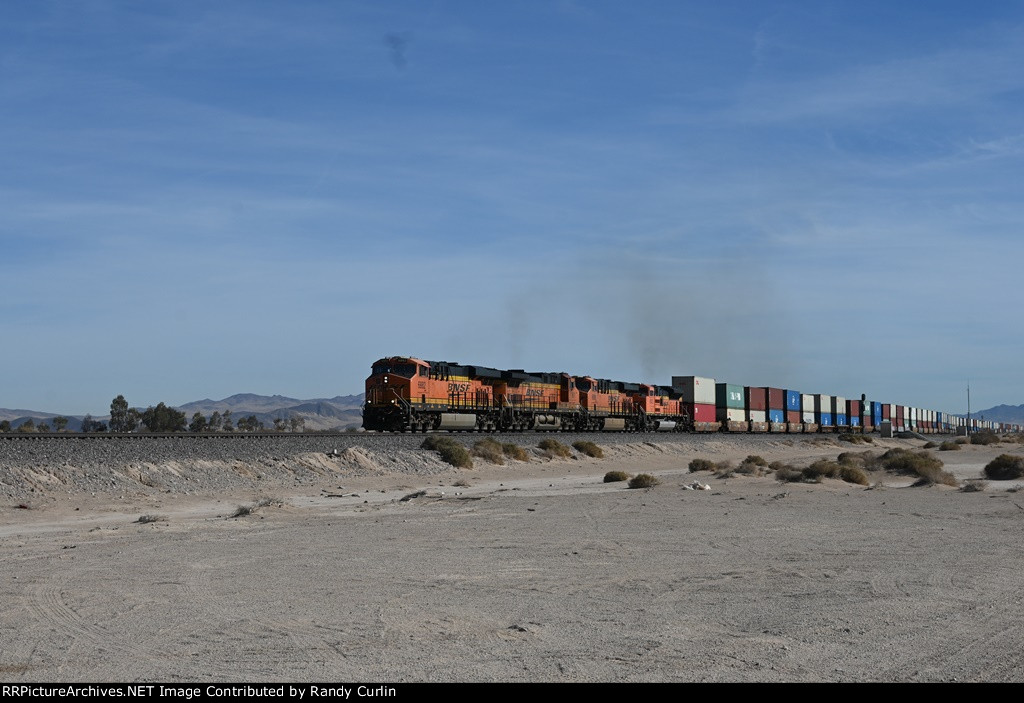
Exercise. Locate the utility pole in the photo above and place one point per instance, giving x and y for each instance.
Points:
(968, 406)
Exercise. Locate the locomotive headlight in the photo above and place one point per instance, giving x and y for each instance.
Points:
(385, 379)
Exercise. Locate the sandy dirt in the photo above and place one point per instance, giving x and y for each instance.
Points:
(533, 571)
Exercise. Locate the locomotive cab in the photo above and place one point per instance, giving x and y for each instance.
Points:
(389, 392)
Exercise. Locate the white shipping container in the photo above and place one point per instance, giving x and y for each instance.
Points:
(838, 405)
(822, 403)
(731, 415)
(807, 417)
(696, 389)
(807, 403)
(758, 416)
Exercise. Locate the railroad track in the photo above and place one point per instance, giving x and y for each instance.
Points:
(169, 435)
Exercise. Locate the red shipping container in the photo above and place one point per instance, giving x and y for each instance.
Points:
(700, 412)
(793, 416)
(776, 399)
(885, 412)
(757, 398)
(853, 408)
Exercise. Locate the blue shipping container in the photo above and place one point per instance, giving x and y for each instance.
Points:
(841, 420)
(776, 416)
(855, 421)
(824, 419)
(793, 400)
(876, 413)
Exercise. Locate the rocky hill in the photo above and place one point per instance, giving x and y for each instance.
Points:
(338, 413)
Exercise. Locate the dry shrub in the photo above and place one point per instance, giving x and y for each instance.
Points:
(451, 451)
(145, 519)
(931, 476)
(756, 460)
(553, 448)
(984, 438)
(789, 474)
(962, 440)
(822, 469)
(615, 476)
(643, 481)
(855, 438)
(974, 486)
(860, 459)
(922, 464)
(853, 474)
(906, 461)
(702, 465)
(1005, 467)
(949, 446)
(724, 469)
(490, 450)
(751, 468)
(589, 448)
(514, 451)
(929, 445)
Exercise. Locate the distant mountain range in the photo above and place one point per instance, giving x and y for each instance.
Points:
(1010, 414)
(338, 413)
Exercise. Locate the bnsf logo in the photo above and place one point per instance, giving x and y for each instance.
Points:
(536, 392)
(458, 387)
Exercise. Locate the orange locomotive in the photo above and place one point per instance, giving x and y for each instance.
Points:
(405, 394)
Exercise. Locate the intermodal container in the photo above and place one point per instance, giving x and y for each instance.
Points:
(853, 408)
(730, 414)
(838, 405)
(778, 415)
(700, 412)
(793, 401)
(728, 395)
(854, 420)
(822, 403)
(757, 398)
(758, 415)
(807, 417)
(841, 420)
(695, 389)
(823, 419)
(776, 399)
(794, 416)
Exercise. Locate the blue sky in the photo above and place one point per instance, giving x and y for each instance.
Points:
(200, 199)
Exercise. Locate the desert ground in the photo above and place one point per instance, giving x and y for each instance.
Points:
(531, 571)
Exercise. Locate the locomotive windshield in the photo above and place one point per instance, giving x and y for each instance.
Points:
(404, 370)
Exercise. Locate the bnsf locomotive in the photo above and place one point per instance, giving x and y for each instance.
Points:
(404, 394)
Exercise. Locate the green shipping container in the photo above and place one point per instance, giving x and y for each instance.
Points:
(728, 395)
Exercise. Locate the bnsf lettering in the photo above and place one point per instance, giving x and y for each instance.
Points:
(534, 392)
(458, 387)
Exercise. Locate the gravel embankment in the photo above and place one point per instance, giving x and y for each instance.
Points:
(187, 464)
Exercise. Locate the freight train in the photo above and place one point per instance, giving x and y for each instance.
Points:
(406, 394)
